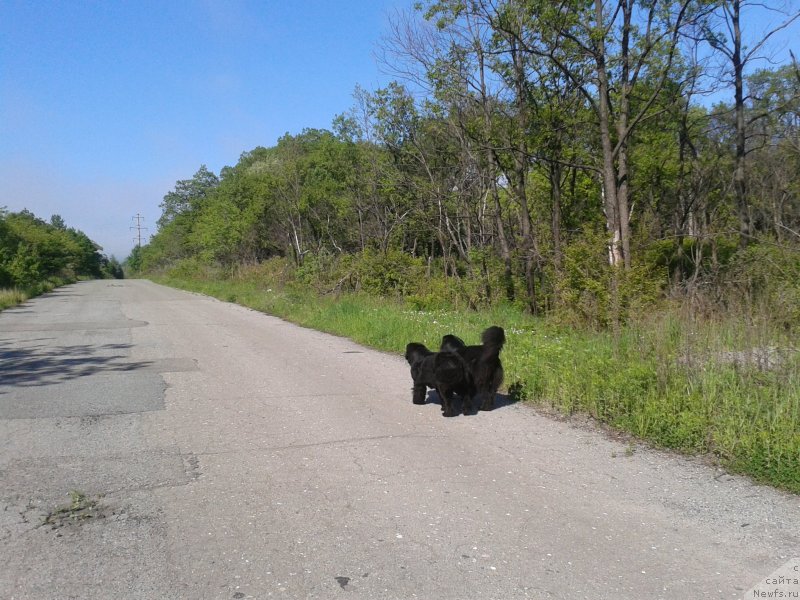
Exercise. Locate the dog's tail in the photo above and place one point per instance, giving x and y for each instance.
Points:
(493, 339)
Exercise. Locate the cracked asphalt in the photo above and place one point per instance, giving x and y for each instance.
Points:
(160, 444)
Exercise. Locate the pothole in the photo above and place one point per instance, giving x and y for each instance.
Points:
(82, 508)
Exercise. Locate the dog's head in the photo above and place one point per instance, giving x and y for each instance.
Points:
(452, 343)
(415, 352)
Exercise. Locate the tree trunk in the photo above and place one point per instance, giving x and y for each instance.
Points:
(739, 180)
(520, 178)
(494, 172)
(609, 171)
(555, 220)
(623, 118)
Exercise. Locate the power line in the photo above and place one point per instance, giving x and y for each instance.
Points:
(138, 227)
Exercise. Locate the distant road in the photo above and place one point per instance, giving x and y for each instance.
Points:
(216, 452)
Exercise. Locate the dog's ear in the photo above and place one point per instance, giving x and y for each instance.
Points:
(452, 343)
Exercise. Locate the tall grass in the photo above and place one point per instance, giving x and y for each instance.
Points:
(13, 296)
(726, 389)
(699, 388)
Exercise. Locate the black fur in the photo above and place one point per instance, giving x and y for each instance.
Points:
(485, 368)
(446, 372)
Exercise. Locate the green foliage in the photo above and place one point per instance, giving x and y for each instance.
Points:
(34, 252)
(11, 297)
(25, 266)
(388, 274)
(498, 186)
(765, 281)
(188, 195)
(113, 269)
(190, 268)
(593, 292)
(133, 263)
(81, 508)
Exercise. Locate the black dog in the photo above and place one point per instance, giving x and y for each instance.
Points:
(446, 372)
(485, 368)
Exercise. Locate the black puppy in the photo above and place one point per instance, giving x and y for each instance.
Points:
(446, 372)
(484, 363)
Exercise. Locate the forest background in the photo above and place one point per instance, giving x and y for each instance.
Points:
(555, 157)
(37, 256)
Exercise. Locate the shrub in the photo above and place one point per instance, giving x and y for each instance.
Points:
(391, 273)
(24, 266)
(191, 268)
(764, 280)
(594, 293)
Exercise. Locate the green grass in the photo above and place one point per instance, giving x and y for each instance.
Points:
(81, 508)
(11, 297)
(675, 383)
(14, 296)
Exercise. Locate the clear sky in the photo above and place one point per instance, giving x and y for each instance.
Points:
(105, 104)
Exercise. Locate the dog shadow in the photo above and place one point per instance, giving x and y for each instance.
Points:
(500, 401)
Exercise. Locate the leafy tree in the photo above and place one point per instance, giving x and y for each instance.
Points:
(8, 246)
(32, 250)
(58, 222)
(134, 262)
(728, 17)
(187, 196)
(549, 155)
(113, 268)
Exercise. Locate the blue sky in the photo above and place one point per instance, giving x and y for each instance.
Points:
(105, 104)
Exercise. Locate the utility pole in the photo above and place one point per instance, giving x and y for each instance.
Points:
(138, 227)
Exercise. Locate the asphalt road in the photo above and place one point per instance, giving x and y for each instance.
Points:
(215, 452)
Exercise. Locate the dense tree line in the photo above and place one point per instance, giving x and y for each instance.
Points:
(33, 250)
(560, 156)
